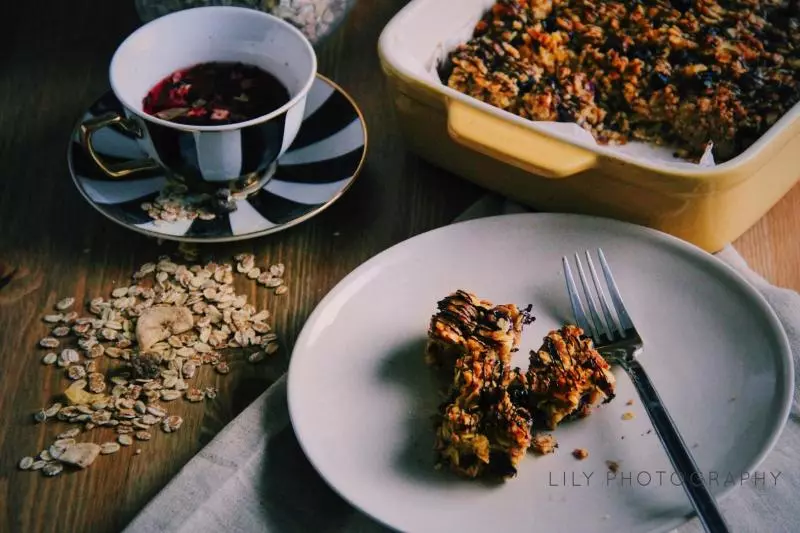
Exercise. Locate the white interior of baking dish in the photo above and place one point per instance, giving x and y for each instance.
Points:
(420, 36)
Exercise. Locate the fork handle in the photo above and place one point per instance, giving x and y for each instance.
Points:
(680, 456)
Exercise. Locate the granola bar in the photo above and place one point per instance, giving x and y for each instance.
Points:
(480, 431)
(466, 324)
(678, 73)
(566, 377)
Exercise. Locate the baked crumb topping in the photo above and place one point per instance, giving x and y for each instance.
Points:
(678, 73)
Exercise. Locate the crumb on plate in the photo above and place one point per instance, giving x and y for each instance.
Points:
(580, 453)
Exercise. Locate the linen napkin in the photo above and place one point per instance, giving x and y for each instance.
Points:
(254, 477)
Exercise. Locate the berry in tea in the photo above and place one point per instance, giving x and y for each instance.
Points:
(214, 94)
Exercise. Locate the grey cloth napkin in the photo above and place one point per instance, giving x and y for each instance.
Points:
(253, 476)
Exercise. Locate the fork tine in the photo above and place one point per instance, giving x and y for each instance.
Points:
(609, 316)
(624, 319)
(575, 300)
(600, 326)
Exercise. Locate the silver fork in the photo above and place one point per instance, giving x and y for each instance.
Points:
(618, 341)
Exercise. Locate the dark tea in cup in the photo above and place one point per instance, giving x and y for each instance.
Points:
(214, 94)
(231, 107)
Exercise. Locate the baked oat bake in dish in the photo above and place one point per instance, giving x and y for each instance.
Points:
(678, 73)
(566, 378)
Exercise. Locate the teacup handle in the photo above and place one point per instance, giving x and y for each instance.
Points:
(119, 170)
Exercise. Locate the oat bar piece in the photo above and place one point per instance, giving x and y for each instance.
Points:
(566, 377)
(466, 324)
(481, 431)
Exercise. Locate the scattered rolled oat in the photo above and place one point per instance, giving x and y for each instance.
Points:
(188, 370)
(149, 420)
(53, 410)
(97, 383)
(69, 434)
(277, 270)
(174, 202)
(273, 282)
(64, 443)
(52, 469)
(68, 356)
(171, 424)
(195, 395)
(627, 415)
(61, 331)
(49, 342)
(75, 372)
(143, 435)
(25, 463)
(156, 333)
(246, 263)
(256, 357)
(65, 303)
(283, 289)
(271, 348)
(119, 292)
(108, 448)
(56, 451)
(170, 395)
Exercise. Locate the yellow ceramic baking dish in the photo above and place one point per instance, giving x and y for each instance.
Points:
(708, 206)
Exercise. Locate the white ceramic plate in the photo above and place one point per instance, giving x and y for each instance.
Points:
(360, 396)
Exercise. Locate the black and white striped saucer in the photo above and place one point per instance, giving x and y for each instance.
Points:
(320, 166)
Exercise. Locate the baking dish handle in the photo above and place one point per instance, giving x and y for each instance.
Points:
(514, 144)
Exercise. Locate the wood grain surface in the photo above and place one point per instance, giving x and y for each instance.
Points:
(52, 244)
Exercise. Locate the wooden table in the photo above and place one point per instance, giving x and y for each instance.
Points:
(54, 245)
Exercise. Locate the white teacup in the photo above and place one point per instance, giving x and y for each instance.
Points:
(224, 155)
